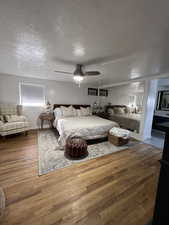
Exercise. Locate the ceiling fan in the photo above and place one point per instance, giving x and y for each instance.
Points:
(79, 74)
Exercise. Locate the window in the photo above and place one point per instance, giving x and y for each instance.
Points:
(93, 91)
(32, 94)
(103, 92)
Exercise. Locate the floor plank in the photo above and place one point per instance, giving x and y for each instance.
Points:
(114, 189)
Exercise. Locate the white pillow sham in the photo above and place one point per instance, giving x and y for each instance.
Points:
(70, 111)
(67, 111)
(74, 111)
(79, 112)
(86, 111)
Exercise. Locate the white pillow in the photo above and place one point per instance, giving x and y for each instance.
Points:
(86, 111)
(79, 112)
(74, 111)
(67, 111)
(58, 113)
(15, 118)
(1, 123)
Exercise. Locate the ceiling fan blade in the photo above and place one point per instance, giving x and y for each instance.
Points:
(58, 71)
(92, 73)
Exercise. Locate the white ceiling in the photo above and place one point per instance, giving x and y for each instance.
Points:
(122, 39)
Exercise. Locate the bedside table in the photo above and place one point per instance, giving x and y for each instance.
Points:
(48, 117)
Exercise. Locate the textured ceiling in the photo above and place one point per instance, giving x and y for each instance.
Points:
(123, 39)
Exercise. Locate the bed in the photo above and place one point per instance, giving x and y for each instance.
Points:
(127, 120)
(87, 127)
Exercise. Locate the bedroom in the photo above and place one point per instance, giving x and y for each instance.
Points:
(78, 86)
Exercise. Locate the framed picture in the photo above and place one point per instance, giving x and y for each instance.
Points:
(103, 92)
(163, 100)
(93, 91)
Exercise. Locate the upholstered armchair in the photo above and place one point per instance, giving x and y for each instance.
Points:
(11, 120)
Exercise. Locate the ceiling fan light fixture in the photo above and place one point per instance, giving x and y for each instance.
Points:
(78, 79)
(78, 71)
(79, 75)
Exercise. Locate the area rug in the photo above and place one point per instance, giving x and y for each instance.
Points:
(51, 157)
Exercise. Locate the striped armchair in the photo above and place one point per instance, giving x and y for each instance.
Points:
(11, 120)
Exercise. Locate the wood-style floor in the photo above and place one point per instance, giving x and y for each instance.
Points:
(117, 189)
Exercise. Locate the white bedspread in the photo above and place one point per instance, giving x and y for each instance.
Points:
(87, 127)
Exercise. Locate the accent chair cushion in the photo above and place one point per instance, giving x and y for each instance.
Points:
(11, 120)
(8, 109)
(13, 126)
(15, 118)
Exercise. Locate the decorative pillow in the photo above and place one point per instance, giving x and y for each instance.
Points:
(79, 112)
(119, 110)
(15, 118)
(127, 110)
(74, 111)
(89, 109)
(110, 112)
(58, 113)
(8, 109)
(86, 111)
(130, 110)
(139, 109)
(67, 111)
(1, 118)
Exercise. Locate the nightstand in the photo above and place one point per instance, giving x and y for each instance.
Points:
(48, 117)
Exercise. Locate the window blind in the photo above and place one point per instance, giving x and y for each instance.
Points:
(32, 94)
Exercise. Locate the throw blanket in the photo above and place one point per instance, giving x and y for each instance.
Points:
(119, 132)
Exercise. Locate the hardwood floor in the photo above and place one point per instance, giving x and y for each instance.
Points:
(117, 189)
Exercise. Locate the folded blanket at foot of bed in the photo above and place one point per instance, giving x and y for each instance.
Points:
(119, 132)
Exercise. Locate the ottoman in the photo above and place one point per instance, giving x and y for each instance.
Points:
(118, 136)
(76, 148)
(118, 141)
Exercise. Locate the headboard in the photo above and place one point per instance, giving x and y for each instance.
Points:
(67, 105)
(115, 106)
